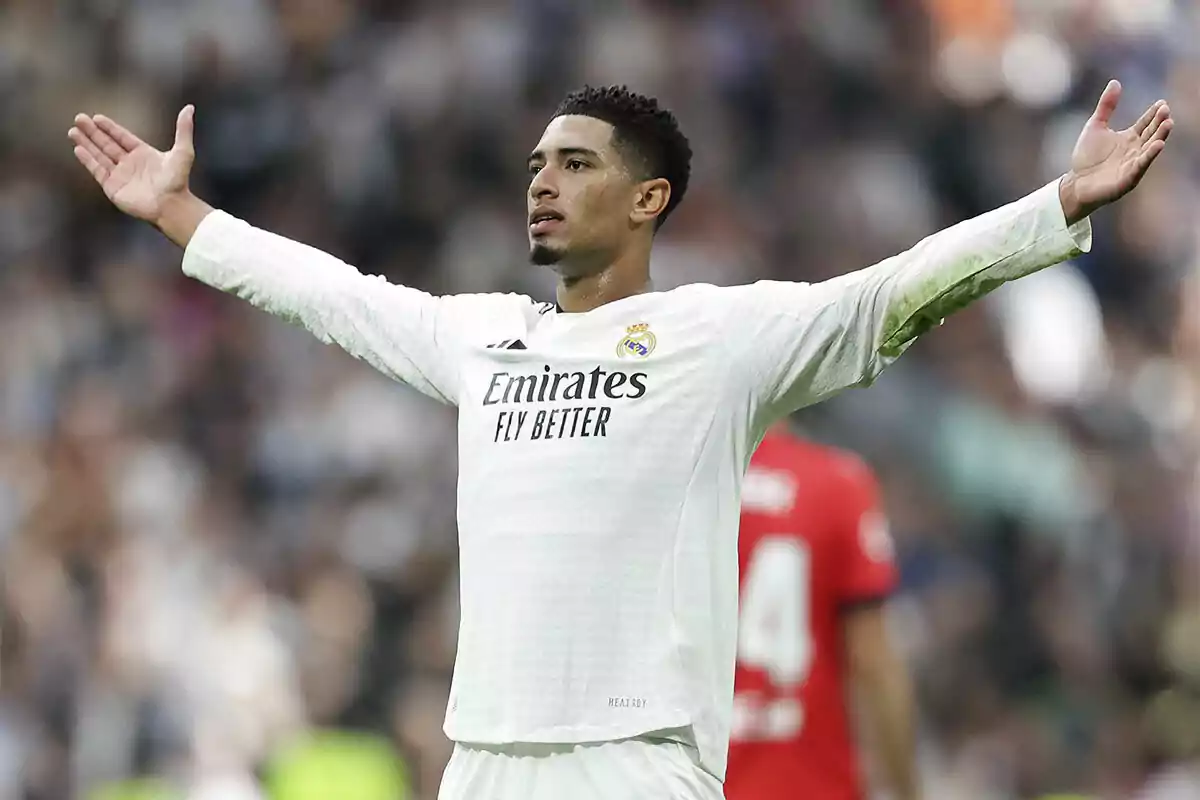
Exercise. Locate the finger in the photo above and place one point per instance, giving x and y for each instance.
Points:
(1163, 132)
(1161, 116)
(81, 139)
(89, 162)
(184, 129)
(102, 140)
(1108, 102)
(1147, 117)
(1151, 150)
(1148, 156)
(122, 136)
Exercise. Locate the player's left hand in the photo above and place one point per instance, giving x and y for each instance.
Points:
(1107, 164)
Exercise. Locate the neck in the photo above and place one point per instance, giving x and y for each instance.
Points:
(628, 275)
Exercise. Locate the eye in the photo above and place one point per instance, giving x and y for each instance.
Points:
(575, 165)
(534, 168)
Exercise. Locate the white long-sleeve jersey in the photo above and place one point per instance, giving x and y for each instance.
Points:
(601, 454)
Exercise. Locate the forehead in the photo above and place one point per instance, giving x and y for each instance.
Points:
(571, 132)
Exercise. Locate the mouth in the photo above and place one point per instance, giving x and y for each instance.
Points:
(544, 220)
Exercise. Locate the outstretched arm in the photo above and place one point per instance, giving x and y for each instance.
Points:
(1105, 166)
(806, 343)
(406, 334)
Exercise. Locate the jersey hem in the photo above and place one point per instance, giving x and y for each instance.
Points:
(575, 734)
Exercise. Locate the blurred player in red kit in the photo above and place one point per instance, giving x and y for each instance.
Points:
(816, 565)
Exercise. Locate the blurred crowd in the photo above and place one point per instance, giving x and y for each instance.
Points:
(228, 551)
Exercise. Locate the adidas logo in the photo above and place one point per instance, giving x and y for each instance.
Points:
(508, 344)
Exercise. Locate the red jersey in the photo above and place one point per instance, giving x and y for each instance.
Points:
(813, 542)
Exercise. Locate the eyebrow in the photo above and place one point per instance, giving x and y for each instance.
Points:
(565, 152)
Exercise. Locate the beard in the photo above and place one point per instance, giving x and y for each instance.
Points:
(545, 256)
(571, 262)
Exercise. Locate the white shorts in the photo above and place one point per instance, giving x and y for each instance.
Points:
(630, 769)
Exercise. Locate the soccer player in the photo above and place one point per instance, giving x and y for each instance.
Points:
(816, 565)
(603, 438)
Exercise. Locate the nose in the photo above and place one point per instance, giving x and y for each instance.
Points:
(542, 186)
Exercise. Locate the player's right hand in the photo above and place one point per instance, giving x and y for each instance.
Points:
(137, 178)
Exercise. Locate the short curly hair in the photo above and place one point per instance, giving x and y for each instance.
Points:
(647, 136)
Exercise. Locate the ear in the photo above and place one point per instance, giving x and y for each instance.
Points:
(651, 200)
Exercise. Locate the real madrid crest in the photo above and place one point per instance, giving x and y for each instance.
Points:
(638, 342)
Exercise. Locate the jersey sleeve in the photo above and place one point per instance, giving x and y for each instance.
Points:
(867, 561)
(407, 334)
(801, 343)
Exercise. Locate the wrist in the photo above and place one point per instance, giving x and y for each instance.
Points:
(172, 205)
(179, 214)
(1073, 210)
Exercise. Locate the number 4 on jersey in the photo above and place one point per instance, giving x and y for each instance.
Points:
(773, 626)
(774, 636)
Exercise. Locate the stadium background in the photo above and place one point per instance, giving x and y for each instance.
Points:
(218, 534)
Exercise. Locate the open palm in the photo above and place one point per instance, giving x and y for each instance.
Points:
(1107, 164)
(136, 177)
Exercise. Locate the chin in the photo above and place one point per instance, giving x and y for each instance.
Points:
(544, 255)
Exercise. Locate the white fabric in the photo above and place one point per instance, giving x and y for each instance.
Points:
(631, 769)
(599, 487)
